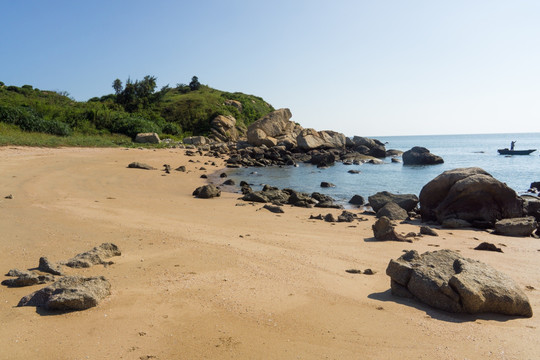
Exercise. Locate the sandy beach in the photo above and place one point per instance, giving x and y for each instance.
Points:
(209, 279)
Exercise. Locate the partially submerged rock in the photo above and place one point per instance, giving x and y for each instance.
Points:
(447, 281)
(420, 156)
(96, 256)
(69, 293)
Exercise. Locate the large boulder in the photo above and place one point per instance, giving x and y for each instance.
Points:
(223, 128)
(273, 129)
(469, 194)
(310, 139)
(523, 226)
(69, 293)
(323, 159)
(447, 281)
(149, 138)
(406, 201)
(420, 156)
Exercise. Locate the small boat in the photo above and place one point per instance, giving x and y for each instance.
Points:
(507, 151)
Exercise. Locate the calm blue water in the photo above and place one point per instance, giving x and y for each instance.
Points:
(457, 151)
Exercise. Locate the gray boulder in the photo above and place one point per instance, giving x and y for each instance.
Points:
(407, 201)
(197, 140)
(357, 200)
(420, 156)
(392, 211)
(310, 139)
(523, 226)
(274, 128)
(148, 138)
(469, 194)
(367, 146)
(447, 281)
(26, 278)
(69, 293)
(207, 192)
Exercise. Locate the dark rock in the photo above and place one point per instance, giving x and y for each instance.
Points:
(181, 168)
(223, 175)
(407, 201)
(346, 216)
(357, 200)
(274, 208)
(383, 230)
(535, 185)
(354, 171)
(96, 256)
(420, 156)
(9, 197)
(207, 192)
(69, 293)
(204, 176)
(353, 271)
(392, 211)
(488, 247)
(229, 182)
(138, 165)
(246, 189)
(426, 230)
(326, 184)
(202, 168)
(316, 217)
(523, 227)
(395, 160)
(447, 281)
(323, 159)
(369, 272)
(469, 194)
(46, 266)
(329, 218)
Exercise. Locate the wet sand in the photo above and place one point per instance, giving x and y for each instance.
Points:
(207, 279)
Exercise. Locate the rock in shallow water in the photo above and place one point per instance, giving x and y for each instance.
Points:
(447, 281)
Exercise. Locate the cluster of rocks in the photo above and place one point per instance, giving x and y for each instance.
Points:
(67, 293)
(270, 194)
(345, 216)
(394, 206)
(446, 280)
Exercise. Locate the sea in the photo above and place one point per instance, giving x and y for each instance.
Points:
(458, 151)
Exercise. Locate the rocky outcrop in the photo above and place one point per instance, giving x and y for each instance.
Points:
(447, 281)
(521, 227)
(69, 293)
(323, 159)
(223, 128)
(207, 192)
(420, 156)
(407, 201)
(310, 139)
(273, 129)
(469, 194)
(237, 104)
(48, 267)
(148, 138)
(384, 230)
(97, 256)
(367, 146)
(276, 196)
(197, 140)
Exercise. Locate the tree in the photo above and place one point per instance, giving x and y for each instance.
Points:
(194, 84)
(117, 86)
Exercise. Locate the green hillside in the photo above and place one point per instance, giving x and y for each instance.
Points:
(29, 113)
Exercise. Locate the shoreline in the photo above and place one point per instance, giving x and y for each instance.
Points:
(205, 278)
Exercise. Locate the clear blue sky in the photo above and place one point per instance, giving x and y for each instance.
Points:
(361, 67)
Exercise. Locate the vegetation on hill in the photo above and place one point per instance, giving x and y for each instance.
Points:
(134, 107)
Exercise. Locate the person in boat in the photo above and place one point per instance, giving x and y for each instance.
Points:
(512, 144)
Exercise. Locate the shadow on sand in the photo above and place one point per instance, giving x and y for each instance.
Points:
(386, 296)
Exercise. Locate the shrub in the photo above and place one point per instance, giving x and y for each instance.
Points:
(171, 129)
(131, 126)
(27, 120)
